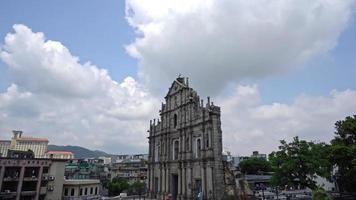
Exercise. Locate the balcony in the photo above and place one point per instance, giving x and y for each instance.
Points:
(28, 193)
(33, 178)
(43, 190)
(11, 178)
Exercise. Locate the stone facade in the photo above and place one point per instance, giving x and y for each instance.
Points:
(185, 147)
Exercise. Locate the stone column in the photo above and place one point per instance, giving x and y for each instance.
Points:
(38, 187)
(209, 188)
(184, 181)
(2, 172)
(203, 180)
(179, 180)
(19, 185)
(161, 182)
(149, 177)
(167, 182)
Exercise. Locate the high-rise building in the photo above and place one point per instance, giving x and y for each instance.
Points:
(18, 142)
(4, 147)
(185, 147)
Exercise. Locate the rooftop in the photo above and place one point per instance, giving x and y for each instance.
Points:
(59, 152)
(33, 139)
(81, 181)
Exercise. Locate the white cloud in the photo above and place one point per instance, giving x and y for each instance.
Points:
(216, 42)
(249, 125)
(54, 95)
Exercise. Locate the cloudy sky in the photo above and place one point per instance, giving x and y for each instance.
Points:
(94, 73)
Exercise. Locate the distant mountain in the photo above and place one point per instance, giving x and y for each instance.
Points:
(79, 152)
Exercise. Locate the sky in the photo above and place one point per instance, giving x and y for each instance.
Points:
(93, 73)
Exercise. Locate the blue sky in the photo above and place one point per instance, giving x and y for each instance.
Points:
(95, 31)
(167, 44)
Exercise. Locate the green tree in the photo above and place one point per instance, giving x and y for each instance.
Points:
(299, 162)
(320, 194)
(137, 188)
(255, 165)
(117, 185)
(343, 153)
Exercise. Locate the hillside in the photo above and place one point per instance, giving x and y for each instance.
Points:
(79, 152)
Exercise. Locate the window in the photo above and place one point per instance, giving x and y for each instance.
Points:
(72, 192)
(157, 151)
(96, 190)
(91, 190)
(175, 120)
(65, 191)
(175, 149)
(198, 148)
(81, 191)
(86, 191)
(187, 144)
(207, 140)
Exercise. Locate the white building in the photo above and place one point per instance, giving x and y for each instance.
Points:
(59, 154)
(4, 146)
(77, 189)
(18, 142)
(106, 160)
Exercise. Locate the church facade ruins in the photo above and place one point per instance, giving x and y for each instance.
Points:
(185, 147)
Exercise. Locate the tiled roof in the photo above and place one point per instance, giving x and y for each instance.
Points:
(32, 139)
(59, 152)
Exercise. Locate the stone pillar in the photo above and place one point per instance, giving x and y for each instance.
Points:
(2, 172)
(38, 187)
(203, 180)
(19, 185)
(179, 180)
(153, 189)
(160, 180)
(184, 192)
(167, 182)
(190, 179)
(209, 177)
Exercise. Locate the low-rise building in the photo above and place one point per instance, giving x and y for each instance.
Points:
(256, 154)
(87, 169)
(59, 154)
(120, 158)
(76, 189)
(33, 178)
(106, 160)
(132, 170)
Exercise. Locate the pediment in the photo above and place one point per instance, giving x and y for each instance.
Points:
(176, 86)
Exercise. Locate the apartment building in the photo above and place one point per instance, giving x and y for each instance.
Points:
(34, 178)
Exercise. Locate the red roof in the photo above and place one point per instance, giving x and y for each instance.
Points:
(33, 139)
(59, 152)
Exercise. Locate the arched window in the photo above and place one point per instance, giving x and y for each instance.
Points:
(198, 148)
(175, 150)
(157, 152)
(207, 140)
(175, 120)
(187, 144)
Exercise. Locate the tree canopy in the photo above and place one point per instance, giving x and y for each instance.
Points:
(299, 162)
(117, 185)
(343, 154)
(255, 165)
